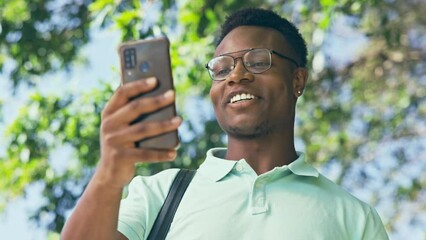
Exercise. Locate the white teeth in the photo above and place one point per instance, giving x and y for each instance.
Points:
(243, 96)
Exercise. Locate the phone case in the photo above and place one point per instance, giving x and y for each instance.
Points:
(146, 58)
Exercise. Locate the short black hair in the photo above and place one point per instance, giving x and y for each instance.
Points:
(266, 18)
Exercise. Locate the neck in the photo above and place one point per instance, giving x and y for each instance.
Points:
(262, 154)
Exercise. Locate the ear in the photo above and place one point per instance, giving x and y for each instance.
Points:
(299, 81)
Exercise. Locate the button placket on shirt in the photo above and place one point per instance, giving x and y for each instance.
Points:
(258, 201)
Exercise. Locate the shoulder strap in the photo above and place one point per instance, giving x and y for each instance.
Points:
(167, 212)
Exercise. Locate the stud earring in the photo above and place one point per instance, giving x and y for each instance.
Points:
(299, 92)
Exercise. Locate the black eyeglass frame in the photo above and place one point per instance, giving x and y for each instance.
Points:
(248, 50)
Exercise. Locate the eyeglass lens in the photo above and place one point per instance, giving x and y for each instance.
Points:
(255, 61)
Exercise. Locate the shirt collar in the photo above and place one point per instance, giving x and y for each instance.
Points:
(301, 167)
(216, 167)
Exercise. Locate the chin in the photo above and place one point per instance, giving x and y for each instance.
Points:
(249, 133)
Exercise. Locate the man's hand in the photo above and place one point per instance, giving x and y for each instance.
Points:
(96, 214)
(118, 152)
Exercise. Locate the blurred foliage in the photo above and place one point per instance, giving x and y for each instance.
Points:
(39, 36)
(348, 110)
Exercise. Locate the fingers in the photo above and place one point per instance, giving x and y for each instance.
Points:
(143, 155)
(137, 107)
(142, 130)
(117, 136)
(124, 93)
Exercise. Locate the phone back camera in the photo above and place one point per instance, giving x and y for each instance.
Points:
(129, 58)
(144, 67)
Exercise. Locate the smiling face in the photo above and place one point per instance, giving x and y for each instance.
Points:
(250, 105)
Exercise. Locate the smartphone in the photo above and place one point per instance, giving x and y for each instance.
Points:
(150, 58)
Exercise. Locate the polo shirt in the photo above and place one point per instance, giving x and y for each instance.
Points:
(228, 200)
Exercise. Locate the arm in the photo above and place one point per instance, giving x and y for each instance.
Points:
(96, 213)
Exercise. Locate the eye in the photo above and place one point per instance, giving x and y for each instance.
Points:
(257, 64)
(221, 66)
(222, 72)
(257, 59)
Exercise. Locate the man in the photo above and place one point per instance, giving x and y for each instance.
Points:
(257, 188)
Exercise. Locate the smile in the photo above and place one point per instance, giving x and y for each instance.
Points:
(242, 97)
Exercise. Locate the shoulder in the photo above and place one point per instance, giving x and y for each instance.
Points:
(340, 196)
(160, 177)
(157, 184)
(357, 215)
(145, 196)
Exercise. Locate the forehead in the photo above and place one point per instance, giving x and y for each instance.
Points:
(245, 37)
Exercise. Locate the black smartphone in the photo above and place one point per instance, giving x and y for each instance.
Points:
(150, 58)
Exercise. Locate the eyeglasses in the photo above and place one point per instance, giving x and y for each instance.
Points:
(255, 60)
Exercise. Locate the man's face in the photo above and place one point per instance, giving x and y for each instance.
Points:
(273, 107)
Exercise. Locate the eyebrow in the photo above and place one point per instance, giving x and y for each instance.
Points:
(229, 53)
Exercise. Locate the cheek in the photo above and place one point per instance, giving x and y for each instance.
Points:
(215, 95)
(283, 92)
(286, 83)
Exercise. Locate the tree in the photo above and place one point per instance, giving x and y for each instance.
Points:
(349, 110)
(39, 36)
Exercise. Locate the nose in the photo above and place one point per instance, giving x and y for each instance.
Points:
(239, 73)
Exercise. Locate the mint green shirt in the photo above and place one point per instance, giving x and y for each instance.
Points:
(228, 200)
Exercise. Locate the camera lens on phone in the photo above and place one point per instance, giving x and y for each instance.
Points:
(144, 67)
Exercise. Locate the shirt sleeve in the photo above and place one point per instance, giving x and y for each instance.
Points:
(140, 208)
(131, 221)
(374, 229)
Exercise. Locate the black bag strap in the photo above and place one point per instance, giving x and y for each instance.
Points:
(167, 212)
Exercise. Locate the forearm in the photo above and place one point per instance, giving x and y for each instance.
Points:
(96, 214)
